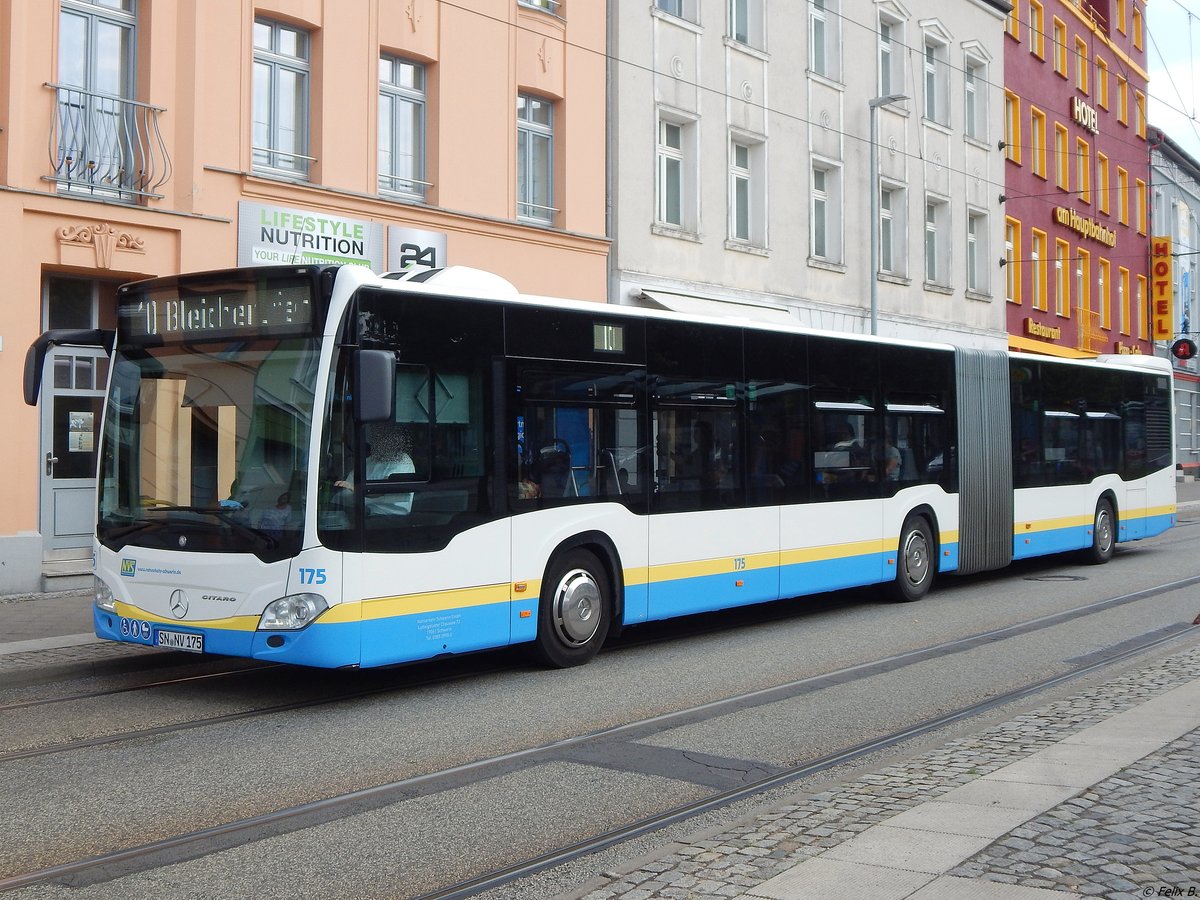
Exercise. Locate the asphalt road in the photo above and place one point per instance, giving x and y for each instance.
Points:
(438, 827)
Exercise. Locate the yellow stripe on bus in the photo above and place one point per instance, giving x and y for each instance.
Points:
(411, 604)
(722, 565)
(232, 623)
(837, 551)
(1020, 528)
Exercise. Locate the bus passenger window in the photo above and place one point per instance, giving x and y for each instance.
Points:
(577, 437)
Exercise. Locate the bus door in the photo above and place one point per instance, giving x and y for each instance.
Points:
(75, 378)
(708, 548)
(580, 465)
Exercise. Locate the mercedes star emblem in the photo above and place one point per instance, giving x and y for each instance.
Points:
(179, 604)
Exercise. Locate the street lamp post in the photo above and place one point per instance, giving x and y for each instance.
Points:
(872, 106)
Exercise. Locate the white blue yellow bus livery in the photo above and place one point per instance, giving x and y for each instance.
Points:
(321, 466)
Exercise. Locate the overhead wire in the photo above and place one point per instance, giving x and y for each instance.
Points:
(911, 51)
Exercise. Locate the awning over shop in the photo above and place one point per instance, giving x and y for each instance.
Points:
(702, 306)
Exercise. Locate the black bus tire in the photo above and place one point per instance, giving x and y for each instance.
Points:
(916, 557)
(1104, 535)
(574, 612)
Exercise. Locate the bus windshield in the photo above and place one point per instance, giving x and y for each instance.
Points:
(205, 446)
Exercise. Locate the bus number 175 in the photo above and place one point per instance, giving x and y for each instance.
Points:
(312, 576)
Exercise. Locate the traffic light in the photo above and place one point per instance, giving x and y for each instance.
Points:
(1183, 349)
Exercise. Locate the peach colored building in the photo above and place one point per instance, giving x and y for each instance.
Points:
(152, 137)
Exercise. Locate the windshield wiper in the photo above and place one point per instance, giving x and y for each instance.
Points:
(224, 516)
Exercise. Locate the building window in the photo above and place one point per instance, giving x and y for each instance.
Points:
(1136, 28)
(402, 127)
(825, 209)
(1037, 29)
(1103, 189)
(1012, 127)
(676, 168)
(1037, 140)
(1101, 83)
(746, 22)
(1062, 159)
(281, 89)
(1122, 15)
(1062, 278)
(1139, 112)
(975, 86)
(1082, 68)
(546, 5)
(1012, 260)
(1013, 26)
(1122, 196)
(682, 9)
(1060, 47)
(1083, 169)
(977, 252)
(824, 38)
(747, 194)
(670, 173)
(937, 81)
(99, 132)
(1039, 263)
(1104, 286)
(739, 192)
(891, 57)
(1122, 100)
(893, 215)
(535, 158)
(937, 245)
(1123, 299)
(1140, 199)
(1139, 310)
(1083, 287)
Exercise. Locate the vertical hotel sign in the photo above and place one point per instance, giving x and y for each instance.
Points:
(1162, 312)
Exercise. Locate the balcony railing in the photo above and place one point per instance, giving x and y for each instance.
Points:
(1091, 336)
(105, 146)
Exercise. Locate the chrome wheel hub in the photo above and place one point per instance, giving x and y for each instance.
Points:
(916, 558)
(577, 607)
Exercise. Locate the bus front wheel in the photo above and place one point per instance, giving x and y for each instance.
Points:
(1104, 535)
(915, 561)
(573, 615)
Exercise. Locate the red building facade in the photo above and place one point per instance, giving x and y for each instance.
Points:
(1077, 177)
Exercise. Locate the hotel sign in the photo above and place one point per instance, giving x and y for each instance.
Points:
(1088, 228)
(1085, 115)
(1038, 330)
(1162, 307)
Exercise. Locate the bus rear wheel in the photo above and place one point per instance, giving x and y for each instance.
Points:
(1104, 535)
(915, 560)
(574, 612)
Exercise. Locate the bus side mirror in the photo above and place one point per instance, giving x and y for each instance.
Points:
(374, 385)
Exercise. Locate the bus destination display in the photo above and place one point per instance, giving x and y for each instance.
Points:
(226, 311)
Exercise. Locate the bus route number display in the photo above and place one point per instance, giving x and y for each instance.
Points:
(225, 312)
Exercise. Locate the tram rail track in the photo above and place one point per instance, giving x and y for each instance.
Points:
(469, 667)
(142, 686)
(202, 842)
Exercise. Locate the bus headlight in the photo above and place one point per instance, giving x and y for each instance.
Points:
(104, 595)
(292, 613)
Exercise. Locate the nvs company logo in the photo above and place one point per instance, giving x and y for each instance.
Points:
(129, 567)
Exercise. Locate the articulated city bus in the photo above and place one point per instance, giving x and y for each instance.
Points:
(323, 466)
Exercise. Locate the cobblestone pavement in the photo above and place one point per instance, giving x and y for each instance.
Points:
(1137, 831)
